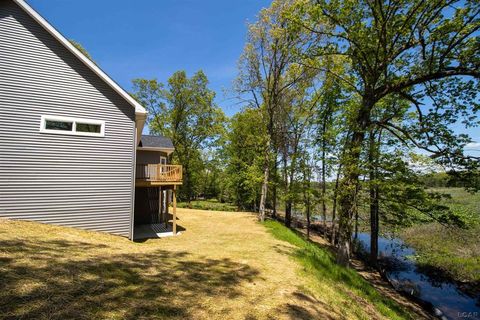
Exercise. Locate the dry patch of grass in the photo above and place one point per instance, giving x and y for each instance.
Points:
(223, 266)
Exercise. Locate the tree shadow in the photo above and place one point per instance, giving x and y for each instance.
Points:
(64, 280)
(309, 307)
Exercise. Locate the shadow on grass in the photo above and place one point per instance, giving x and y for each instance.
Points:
(311, 309)
(71, 280)
(320, 263)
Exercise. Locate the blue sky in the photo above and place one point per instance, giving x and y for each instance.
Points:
(153, 39)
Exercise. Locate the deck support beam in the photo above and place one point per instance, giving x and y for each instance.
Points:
(160, 205)
(174, 213)
(167, 206)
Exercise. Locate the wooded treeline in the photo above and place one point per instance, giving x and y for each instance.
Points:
(347, 106)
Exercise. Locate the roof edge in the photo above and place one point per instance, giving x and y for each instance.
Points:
(139, 109)
(156, 149)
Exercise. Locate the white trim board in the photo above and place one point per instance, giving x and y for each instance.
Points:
(166, 150)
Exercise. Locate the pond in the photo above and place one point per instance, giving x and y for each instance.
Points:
(446, 297)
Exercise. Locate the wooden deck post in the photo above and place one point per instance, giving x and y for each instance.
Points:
(174, 213)
(160, 207)
(167, 205)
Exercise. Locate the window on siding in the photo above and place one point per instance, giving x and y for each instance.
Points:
(58, 125)
(88, 127)
(72, 126)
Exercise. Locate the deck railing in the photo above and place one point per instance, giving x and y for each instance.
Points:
(159, 172)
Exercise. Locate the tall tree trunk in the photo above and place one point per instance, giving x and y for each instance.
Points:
(306, 195)
(356, 225)
(308, 213)
(275, 185)
(274, 201)
(324, 169)
(333, 239)
(288, 208)
(263, 195)
(289, 202)
(186, 185)
(350, 184)
(288, 213)
(347, 200)
(374, 202)
(374, 225)
(324, 189)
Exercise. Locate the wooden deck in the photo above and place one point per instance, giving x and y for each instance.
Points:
(151, 175)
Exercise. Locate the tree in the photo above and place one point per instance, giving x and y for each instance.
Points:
(80, 48)
(297, 118)
(309, 191)
(424, 52)
(243, 151)
(330, 124)
(211, 178)
(184, 111)
(268, 68)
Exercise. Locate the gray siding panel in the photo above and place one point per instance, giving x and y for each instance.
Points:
(68, 180)
(149, 157)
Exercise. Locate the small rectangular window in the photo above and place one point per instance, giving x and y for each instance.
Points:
(72, 126)
(58, 125)
(88, 127)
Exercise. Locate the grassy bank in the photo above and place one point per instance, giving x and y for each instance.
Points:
(210, 204)
(454, 252)
(319, 267)
(224, 265)
(463, 202)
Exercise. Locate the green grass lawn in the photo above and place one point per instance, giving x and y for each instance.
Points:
(453, 251)
(224, 265)
(318, 265)
(210, 204)
(463, 202)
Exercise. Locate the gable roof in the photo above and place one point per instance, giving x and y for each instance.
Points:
(160, 142)
(139, 109)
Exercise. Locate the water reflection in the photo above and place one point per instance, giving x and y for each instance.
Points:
(422, 283)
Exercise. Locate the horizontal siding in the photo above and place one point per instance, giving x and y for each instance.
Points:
(148, 157)
(75, 181)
